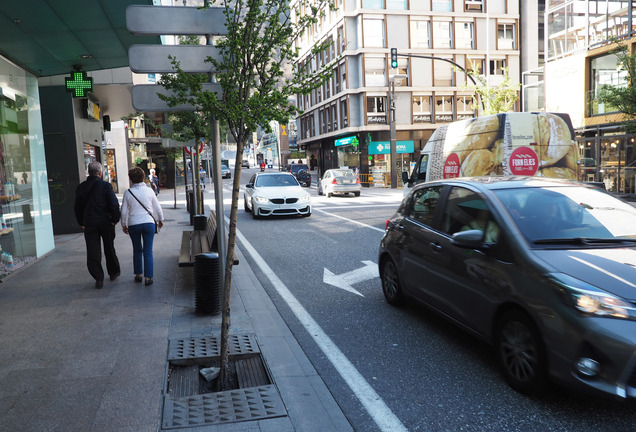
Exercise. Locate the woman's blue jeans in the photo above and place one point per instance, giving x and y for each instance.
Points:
(142, 236)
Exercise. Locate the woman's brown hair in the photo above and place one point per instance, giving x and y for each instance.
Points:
(136, 175)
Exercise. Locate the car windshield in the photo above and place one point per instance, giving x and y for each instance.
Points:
(296, 168)
(569, 214)
(274, 180)
(343, 173)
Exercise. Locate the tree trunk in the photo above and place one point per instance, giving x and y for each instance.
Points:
(227, 288)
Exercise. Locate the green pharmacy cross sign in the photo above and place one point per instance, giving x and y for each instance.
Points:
(79, 84)
(350, 140)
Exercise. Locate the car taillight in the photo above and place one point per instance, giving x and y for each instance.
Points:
(386, 225)
(357, 180)
(334, 181)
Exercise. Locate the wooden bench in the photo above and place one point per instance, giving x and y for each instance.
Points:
(200, 241)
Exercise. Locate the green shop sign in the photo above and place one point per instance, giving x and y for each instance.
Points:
(384, 147)
(351, 140)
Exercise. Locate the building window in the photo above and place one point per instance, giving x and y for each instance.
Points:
(464, 35)
(402, 69)
(443, 109)
(421, 109)
(420, 34)
(343, 76)
(473, 5)
(396, 4)
(443, 73)
(372, 4)
(373, 29)
(376, 109)
(605, 71)
(505, 36)
(442, 6)
(464, 104)
(334, 116)
(442, 34)
(374, 71)
(336, 80)
(476, 65)
(341, 40)
(344, 115)
(497, 67)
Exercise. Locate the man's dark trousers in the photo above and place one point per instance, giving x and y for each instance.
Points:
(94, 237)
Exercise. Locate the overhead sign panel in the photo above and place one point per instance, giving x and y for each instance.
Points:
(145, 98)
(154, 58)
(169, 142)
(175, 20)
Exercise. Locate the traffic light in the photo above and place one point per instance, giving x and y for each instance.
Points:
(394, 58)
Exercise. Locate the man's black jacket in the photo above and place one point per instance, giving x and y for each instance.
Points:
(96, 203)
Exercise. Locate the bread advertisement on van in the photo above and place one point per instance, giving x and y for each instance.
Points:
(524, 144)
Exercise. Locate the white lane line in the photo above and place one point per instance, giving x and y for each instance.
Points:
(375, 406)
(350, 220)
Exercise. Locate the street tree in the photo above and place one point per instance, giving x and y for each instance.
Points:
(259, 82)
(621, 96)
(495, 99)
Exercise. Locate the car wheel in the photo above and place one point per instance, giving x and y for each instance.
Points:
(391, 283)
(356, 194)
(329, 194)
(245, 207)
(521, 353)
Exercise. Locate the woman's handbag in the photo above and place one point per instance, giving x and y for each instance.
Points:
(157, 229)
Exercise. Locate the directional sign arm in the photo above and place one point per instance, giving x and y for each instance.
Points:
(145, 98)
(154, 58)
(175, 20)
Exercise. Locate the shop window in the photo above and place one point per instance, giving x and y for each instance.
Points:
(443, 109)
(506, 36)
(376, 109)
(374, 71)
(420, 34)
(421, 109)
(442, 34)
(373, 32)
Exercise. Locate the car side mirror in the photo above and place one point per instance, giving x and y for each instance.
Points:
(470, 239)
(405, 177)
(250, 185)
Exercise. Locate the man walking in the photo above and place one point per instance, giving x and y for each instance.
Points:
(97, 211)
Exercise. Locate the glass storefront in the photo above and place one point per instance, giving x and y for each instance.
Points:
(610, 159)
(26, 229)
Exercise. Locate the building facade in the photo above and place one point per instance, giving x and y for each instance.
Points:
(346, 122)
(581, 36)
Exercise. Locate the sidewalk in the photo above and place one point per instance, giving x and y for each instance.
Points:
(75, 358)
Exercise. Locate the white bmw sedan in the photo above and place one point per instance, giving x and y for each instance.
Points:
(276, 194)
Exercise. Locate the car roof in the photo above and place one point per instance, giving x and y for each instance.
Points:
(506, 182)
(273, 173)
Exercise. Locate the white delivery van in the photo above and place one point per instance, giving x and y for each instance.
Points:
(527, 144)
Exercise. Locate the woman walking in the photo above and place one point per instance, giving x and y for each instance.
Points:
(137, 220)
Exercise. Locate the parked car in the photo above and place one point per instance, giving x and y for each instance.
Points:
(245, 163)
(339, 181)
(301, 172)
(225, 172)
(543, 269)
(276, 194)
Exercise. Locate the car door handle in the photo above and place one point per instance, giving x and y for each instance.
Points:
(436, 247)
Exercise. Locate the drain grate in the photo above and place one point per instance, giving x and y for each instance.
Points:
(223, 407)
(182, 350)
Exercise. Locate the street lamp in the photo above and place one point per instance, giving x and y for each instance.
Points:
(394, 177)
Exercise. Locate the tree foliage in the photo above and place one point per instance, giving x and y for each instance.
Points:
(258, 82)
(622, 97)
(496, 99)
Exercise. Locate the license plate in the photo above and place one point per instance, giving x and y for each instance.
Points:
(347, 181)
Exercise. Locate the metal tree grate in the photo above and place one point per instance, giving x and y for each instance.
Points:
(180, 350)
(253, 403)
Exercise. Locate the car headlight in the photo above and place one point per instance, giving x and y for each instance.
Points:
(590, 300)
(304, 198)
(261, 200)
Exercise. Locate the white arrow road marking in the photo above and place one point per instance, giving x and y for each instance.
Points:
(346, 280)
(372, 402)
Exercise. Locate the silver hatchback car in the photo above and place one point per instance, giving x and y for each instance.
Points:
(545, 270)
(339, 181)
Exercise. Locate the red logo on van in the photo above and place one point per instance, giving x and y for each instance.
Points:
(524, 161)
(451, 166)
